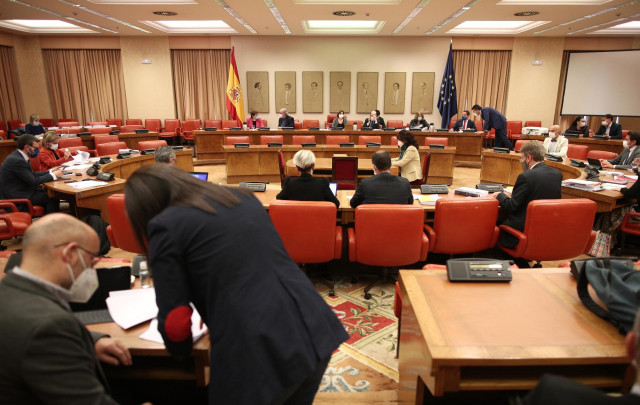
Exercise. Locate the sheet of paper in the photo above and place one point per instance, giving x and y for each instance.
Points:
(129, 308)
(81, 157)
(153, 335)
(610, 186)
(83, 185)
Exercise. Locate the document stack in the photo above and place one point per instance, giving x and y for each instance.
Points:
(582, 184)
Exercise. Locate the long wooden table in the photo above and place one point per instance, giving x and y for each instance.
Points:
(609, 145)
(458, 337)
(261, 162)
(209, 144)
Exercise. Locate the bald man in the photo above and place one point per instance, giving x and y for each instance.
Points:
(47, 355)
(556, 144)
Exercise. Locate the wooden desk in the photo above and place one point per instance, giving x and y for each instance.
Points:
(481, 337)
(209, 144)
(261, 162)
(610, 145)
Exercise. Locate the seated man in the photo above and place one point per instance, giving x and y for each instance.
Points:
(18, 180)
(630, 152)
(465, 122)
(47, 354)
(285, 120)
(556, 144)
(374, 121)
(537, 182)
(165, 154)
(611, 129)
(383, 187)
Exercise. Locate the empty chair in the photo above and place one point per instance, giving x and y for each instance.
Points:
(451, 123)
(188, 126)
(579, 152)
(393, 141)
(46, 122)
(96, 123)
(297, 124)
(171, 130)
(533, 123)
(395, 124)
(120, 232)
(99, 139)
(13, 222)
(226, 124)
(99, 130)
(554, 230)
(376, 240)
(15, 124)
(514, 129)
(133, 121)
(434, 140)
(63, 124)
(232, 140)
(630, 225)
(130, 128)
(337, 139)
(601, 154)
(213, 124)
(426, 162)
(519, 144)
(310, 123)
(265, 139)
(463, 225)
(110, 148)
(155, 144)
(364, 139)
(153, 125)
(114, 121)
(300, 139)
(344, 172)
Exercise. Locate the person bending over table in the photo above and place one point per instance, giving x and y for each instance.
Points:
(340, 121)
(383, 187)
(464, 123)
(418, 121)
(306, 187)
(579, 124)
(630, 152)
(285, 120)
(50, 155)
(34, 127)
(409, 160)
(254, 121)
(215, 247)
(493, 119)
(556, 144)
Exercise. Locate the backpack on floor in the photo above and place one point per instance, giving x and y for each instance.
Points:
(98, 225)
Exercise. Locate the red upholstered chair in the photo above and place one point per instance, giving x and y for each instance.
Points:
(533, 123)
(96, 123)
(214, 124)
(308, 230)
(519, 144)
(114, 121)
(393, 141)
(99, 139)
(344, 172)
(330, 118)
(133, 121)
(297, 124)
(463, 225)
(395, 124)
(426, 162)
(554, 230)
(579, 152)
(601, 154)
(47, 122)
(125, 129)
(364, 139)
(300, 139)
(478, 125)
(281, 167)
(265, 139)
(310, 123)
(188, 126)
(65, 124)
(153, 124)
(625, 132)
(514, 129)
(110, 148)
(13, 222)
(3, 126)
(142, 145)
(232, 140)
(34, 211)
(14, 124)
(433, 140)
(452, 123)
(387, 235)
(3, 135)
(67, 120)
(337, 139)
(226, 124)
(119, 231)
(74, 144)
(171, 130)
(99, 130)
(630, 224)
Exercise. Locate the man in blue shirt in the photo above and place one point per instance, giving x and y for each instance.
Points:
(493, 119)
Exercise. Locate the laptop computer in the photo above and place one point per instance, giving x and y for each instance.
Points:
(95, 310)
(200, 175)
(334, 188)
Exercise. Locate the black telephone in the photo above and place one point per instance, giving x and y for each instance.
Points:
(93, 170)
(434, 189)
(578, 163)
(105, 160)
(553, 158)
(106, 176)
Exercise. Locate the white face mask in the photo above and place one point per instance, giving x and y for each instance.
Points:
(552, 135)
(341, 116)
(581, 124)
(282, 115)
(625, 144)
(604, 123)
(83, 287)
(373, 118)
(475, 114)
(400, 144)
(36, 123)
(419, 119)
(54, 146)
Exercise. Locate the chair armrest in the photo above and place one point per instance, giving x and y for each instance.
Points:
(432, 237)
(592, 239)
(11, 230)
(338, 247)
(432, 266)
(21, 201)
(351, 234)
(112, 239)
(424, 250)
(522, 241)
(6, 204)
(496, 235)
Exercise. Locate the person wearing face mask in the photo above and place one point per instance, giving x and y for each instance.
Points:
(610, 128)
(254, 121)
(285, 120)
(340, 121)
(536, 182)
(556, 144)
(374, 121)
(630, 152)
(18, 180)
(409, 160)
(50, 155)
(47, 354)
(579, 125)
(465, 122)
(493, 119)
(34, 127)
(418, 121)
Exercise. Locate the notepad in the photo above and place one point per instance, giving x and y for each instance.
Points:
(129, 308)
(428, 199)
(83, 185)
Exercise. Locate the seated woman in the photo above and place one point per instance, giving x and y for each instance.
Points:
(306, 187)
(579, 125)
(340, 121)
(418, 121)
(50, 156)
(409, 160)
(34, 127)
(254, 121)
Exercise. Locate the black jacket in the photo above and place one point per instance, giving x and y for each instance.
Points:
(17, 178)
(307, 188)
(384, 188)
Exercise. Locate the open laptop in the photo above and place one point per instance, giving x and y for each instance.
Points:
(334, 188)
(200, 175)
(95, 310)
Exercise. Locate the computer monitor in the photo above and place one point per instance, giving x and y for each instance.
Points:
(200, 175)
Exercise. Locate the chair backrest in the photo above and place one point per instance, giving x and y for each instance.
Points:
(110, 148)
(69, 142)
(330, 118)
(120, 231)
(265, 139)
(46, 122)
(114, 121)
(337, 139)
(478, 125)
(226, 124)
(625, 132)
(130, 128)
(393, 141)
(171, 125)
(344, 172)
(92, 123)
(307, 229)
(189, 125)
(515, 127)
(133, 121)
(281, 167)
(98, 139)
(99, 130)
(155, 144)
(533, 123)
(395, 124)
(310, 123)
(3, 134)
(558, 229)
(363, 139)
(300, 139)
(213, 124)
(62, 124)
(519, 144)
(601, 154)
(579, 152)
(153, 124)
(67, 120)
(378, 242)
(452, 123)
(464, 225)
(426, 162)
(435, 140)
(14, 124)
(232, 140)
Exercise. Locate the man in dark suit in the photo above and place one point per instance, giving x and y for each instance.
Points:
(47, 354)
(537, 181)
(630, 152)
(285, 120)
(383, 188)
(375, 121)
(612, 129)
(493, 119)
(306, 187)
(465, 122)
(18, 180)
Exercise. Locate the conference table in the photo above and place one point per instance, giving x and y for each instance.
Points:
(609, 145)
(479, 337)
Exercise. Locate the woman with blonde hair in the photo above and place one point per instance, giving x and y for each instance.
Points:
(50, 155)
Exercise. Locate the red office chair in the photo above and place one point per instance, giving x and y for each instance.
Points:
(188, 126)
(153, 125)
(67, 120)
(64, 124)
(329, 122)
(3, 135)
(310, 123)
(426, 162)
(125, 129)
(232, 140)
(99, 130)
(34, 211)
(14, 124)
(601, 154)
(300, 139)
(226, 124)
(265, 139)
(533, 123)
(14, 223)
(297, 124)
(579, 152)
(433, 140)
(133, 121)
(110, 148)
(171, 130)
(155, 144)
(316, 220)
(282, 168)
(394, 124)
(120, 232)
(514, 129)
(387, 235)
(364, 139)
(344, 172)
(463, 225)
(452, 123)
(74, 144)
(337, 139)
(554, 230)
(625, 132)
(97, 140)
(214, 124)
(630, 224)
(47, 122)
(519, 144)
(96, 123)
(114, 121)
(393, 141)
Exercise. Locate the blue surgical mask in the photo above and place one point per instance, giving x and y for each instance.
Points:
(464, 118)
(35, 153)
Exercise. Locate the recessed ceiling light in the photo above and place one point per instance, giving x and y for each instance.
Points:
(628, 28)
(276, 13)
(344, 13)
(495, 27)
(597, 13)
(452, 16)
(233, 13)
(342, 26)
(44, 26)
(526, 13)
(194, 26)
(165, 13)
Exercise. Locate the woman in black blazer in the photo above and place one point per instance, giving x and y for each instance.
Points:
(306, 187)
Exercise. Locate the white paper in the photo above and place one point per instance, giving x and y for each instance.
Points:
(81, 157)
(83, 185)
(611, 186)
(153, 335)
(129, 308)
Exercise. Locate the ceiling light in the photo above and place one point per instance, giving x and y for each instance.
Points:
(495, 27)
(165, 13)
(628, 28)
(278, 16)
(44, 26)
(526, 13)
(344, 13)
(554, 2)
(44, 10)
(99, 14)
(588, 16)
(191, 26)
(452, 16)
(235, 15)
(342, 26)
(411, 16)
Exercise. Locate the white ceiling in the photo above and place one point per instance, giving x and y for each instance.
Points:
(256, 17)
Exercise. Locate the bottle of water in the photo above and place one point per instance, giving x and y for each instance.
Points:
(244, 126)
(145, 275)
(355, 126)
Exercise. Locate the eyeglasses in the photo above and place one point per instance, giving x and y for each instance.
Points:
(94, 256)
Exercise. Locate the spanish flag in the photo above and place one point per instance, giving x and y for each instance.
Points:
(235, 105)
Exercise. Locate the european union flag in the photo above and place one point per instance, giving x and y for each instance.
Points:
(448, 99)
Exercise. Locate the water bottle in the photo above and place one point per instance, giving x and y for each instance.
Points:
(244, 126)
(355, 126)
(145, 275)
